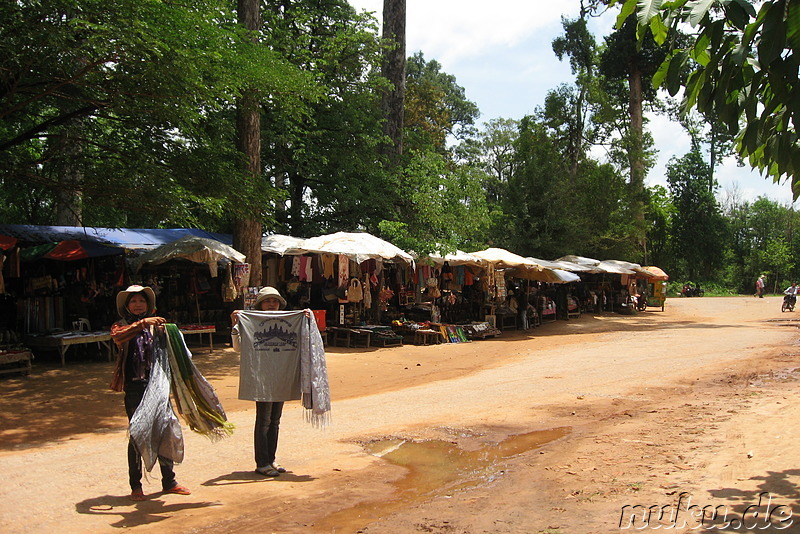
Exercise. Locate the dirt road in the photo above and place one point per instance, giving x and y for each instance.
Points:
(574, 427)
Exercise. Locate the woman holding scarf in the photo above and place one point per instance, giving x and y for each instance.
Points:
(133, 336)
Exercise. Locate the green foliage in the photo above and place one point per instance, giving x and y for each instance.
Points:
(436, 106)
(444, 206)
(744, 70)
(122, 92)
(698, 228)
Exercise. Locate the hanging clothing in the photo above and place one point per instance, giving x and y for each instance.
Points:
(306, 269)
(469, 279)
(328, 261)
(316, 268)
(344, 270)
(241, 275)
(301, 272)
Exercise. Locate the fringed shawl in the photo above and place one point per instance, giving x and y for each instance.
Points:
(154, 427)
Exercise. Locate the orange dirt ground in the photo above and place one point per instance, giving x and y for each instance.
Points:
(554, 430)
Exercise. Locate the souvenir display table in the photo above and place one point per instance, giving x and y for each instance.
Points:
(424, 336)
(383, 336)
(62, 341)
(349, 337)
(480, 330)
(200, 329)
(21, 357)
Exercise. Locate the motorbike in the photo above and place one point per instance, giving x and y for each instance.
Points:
(788, 303)
(692, 291)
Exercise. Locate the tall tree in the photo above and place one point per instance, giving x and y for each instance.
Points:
(497, 147)
(134, 116)
(623, 58)
(394, 70)
(698, 227)
(247, 229)
(321, 152)
(437, 108)
(579, 46)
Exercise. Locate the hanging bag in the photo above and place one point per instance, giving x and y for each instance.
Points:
(367, 294)
(354, 291)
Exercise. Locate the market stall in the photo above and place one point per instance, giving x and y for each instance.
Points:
(507, 307)
(185, 275)
(656, 280)
(353, 280)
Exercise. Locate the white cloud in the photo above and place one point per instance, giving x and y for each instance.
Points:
(672, 140)
(501, 53)
(452, 31)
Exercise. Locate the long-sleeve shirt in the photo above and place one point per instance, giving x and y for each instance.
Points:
(121, 334)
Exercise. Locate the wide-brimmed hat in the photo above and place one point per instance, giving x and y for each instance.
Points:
(266, 293)
(149, 294)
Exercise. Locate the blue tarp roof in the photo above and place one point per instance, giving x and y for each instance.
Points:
(132, 238)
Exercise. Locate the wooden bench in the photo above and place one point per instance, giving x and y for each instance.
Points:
(22, 359)
(350, 337)
(427, 337)
(387, 341)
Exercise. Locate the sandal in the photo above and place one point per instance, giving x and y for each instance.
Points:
(267, 471)
(137, 495)
(179, 490)
(278, 467)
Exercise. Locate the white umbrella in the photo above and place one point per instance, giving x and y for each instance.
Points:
(279, 244)
(551, 276)
(192, 248)
(502, 258)
(458, 258)
(358, 246)
(613, 267)
(580, 260)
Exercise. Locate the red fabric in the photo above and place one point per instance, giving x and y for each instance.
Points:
(7, 242)
(73, 249)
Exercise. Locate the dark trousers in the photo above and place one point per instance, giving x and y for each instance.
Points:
(268, 419)
(133, 396)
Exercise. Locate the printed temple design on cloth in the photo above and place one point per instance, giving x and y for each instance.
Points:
(276, 336)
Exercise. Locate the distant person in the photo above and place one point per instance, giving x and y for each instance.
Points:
(133, 336)
(760, 287)
(791, 293)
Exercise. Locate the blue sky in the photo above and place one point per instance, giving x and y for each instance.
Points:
(500, 52)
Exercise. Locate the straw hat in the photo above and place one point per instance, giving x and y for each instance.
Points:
(122, 298)
(266, 293)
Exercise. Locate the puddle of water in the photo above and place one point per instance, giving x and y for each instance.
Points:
(434, 468)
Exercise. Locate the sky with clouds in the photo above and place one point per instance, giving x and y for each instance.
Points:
(501, 53)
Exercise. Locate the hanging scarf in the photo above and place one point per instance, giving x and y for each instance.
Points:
(154, 428)
(140, 349)
(195, 398)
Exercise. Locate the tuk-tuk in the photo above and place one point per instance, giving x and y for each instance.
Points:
(656, 286)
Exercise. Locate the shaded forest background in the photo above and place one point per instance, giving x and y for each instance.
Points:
(123, 113)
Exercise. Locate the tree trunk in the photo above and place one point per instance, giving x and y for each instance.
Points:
(636, 156)
(69, 200)
(394, 69)
(247, 231)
